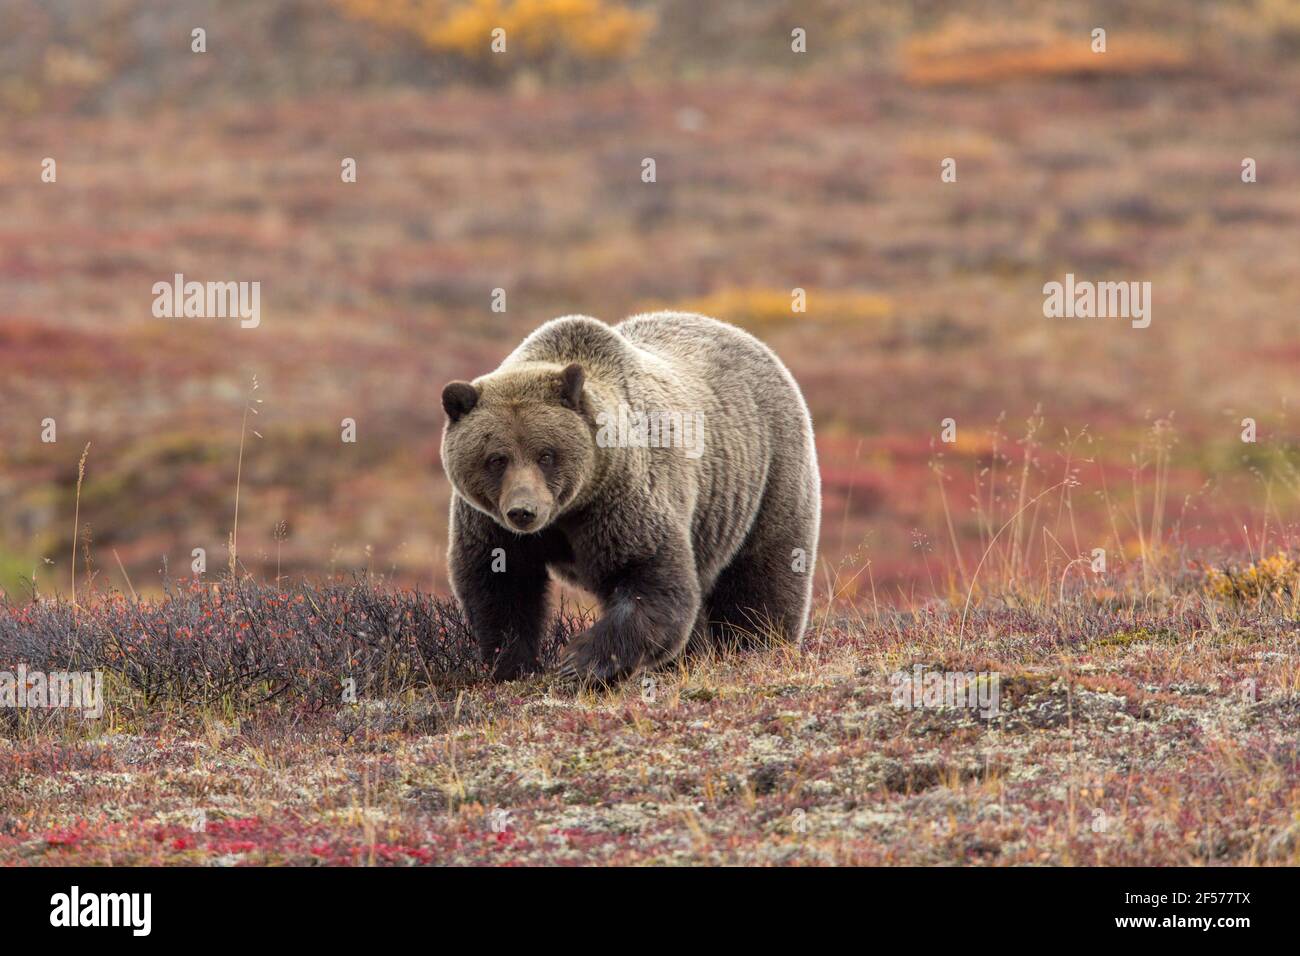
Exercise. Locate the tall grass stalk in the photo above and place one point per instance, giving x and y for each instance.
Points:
(76, 518)
(239, 473)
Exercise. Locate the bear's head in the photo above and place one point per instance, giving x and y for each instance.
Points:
(519, 445)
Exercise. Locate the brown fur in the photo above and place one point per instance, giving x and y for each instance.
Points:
(677, 548)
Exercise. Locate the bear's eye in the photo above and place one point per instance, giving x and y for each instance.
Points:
(546, 459)
(496, 462)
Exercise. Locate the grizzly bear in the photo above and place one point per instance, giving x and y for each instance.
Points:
(665, 464)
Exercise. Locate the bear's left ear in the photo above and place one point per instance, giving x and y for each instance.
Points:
(571, 380)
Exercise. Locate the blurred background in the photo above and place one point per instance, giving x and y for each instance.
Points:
(776, 170)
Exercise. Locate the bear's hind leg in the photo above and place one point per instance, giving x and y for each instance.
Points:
(750, 607)
(765, 594)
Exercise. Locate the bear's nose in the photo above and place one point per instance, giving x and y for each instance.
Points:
(522, 517)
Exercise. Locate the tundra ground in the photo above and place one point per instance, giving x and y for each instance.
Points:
(1157, 731)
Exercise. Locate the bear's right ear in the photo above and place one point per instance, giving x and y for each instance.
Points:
(571, 380)
(459, 399)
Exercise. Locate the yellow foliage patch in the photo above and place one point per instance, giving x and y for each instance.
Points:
(582, 30)
(1275, 576)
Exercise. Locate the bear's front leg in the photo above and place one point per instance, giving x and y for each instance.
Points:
(501, 582)
(648, 609)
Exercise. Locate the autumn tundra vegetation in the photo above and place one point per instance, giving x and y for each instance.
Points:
(1099, 516)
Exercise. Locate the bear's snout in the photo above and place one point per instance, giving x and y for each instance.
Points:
(525, 503)
(525, 514)
(522, 516)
